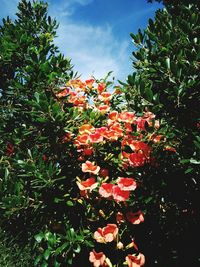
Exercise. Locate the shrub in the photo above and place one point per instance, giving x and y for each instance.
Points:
(166, 81)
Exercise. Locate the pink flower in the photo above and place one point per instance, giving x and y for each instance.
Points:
(103, 109)
(135, 261)
(119, 195)
(111, 135)
(141, 124)
(105, 97)
(101, 130)
(82, 139)
(98, 259)
(99, 236)
(96, 137)
(110, 232)
(135, 217)
(127, 117)
(126, 184)
(105, 190)
(106, 234)
(116, 127)
(88, 184)
(90, 167)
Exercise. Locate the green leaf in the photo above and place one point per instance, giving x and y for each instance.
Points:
(37, 96)
(46, 254)
(167, 61)
(70, 203)
(78, 249)
(37, 260)
(6, 173)
(44, 264)
(39, 237)
(194, 161)
(189, 170)
(149, 94)
(60, 249)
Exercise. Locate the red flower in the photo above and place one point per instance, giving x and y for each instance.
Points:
(113, 115)
(156, 138)
(96, 137)
(135, 217)
(119, 195)
(128, 127)
(104, 173)
(116, 127)
(101, 87)
(101, 130)
(141, 124)
(89, 83)
(44, 157)
(103, 109)
(137, 159)
(88, 151)
(82, 139)
(89, 184)
(126, 184)
(138, 146)
(170, 148)
(135, 261)
(63, 93)
(105, 190)
(110, 232)
(98, 259)
(111, 135)
(88, 166)
(106, 234)
(127, 117)
(86, 129)
(119, 217)
(105, 97)
(9, 149)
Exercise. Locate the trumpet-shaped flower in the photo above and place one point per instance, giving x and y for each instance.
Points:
(105, 190)
(135, 260)
(135, 217)
(126, 184)
(86, 129)
(106, 234)
(88, 184)
(90, 167)
(120, 195)
(137, 159)
(97, 258)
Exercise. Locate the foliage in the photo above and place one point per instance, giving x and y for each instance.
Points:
(85, 166)
(166, 81)
(50, 148)
(113, 152)
(12, 254)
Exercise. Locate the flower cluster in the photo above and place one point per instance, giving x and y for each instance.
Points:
(110, 233)
(112, 145)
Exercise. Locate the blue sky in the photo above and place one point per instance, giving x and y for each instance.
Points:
(95, 34)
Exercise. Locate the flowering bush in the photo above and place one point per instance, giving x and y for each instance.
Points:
(111, 147)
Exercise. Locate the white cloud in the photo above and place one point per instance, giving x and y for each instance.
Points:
(84, 2)
(94, 50)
